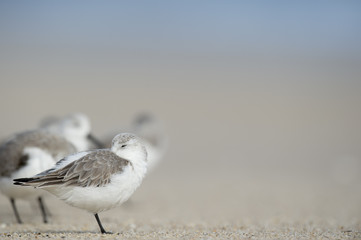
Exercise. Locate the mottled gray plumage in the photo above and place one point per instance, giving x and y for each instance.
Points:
(93, 170)
(11, 152)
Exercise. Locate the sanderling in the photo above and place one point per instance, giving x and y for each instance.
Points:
(26, 154)
(96, 180)
(151, 132)
(75, 128)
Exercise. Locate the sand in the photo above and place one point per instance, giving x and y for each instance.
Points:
(188, 209)
(239, 166)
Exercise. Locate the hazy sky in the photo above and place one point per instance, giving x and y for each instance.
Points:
(174, 42)
(228, 27)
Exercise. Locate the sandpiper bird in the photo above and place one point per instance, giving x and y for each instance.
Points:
(26, 154)
(75, 128)
(96, 180)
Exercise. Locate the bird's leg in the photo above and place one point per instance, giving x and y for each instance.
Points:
(100, 224)
(43, 210)
(47, 211)
(12, 200)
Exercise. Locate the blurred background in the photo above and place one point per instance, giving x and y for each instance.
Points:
(261, 100)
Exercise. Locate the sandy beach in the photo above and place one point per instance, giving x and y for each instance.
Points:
(200, 194)
(178, 209)
(232, 170)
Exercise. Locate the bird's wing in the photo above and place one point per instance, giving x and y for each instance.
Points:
(94, 169)
(12, 156)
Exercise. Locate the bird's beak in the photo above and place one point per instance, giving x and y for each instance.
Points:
(96, 142)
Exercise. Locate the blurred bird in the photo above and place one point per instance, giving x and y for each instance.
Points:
(75, 128)
(26, 154)
(96, 180)
(151, 132)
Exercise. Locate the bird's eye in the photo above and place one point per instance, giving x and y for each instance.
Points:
(123, 146)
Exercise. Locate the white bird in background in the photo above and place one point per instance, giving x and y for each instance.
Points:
(76, 128)
(151, 132)
(24, 155)
(96, 180)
